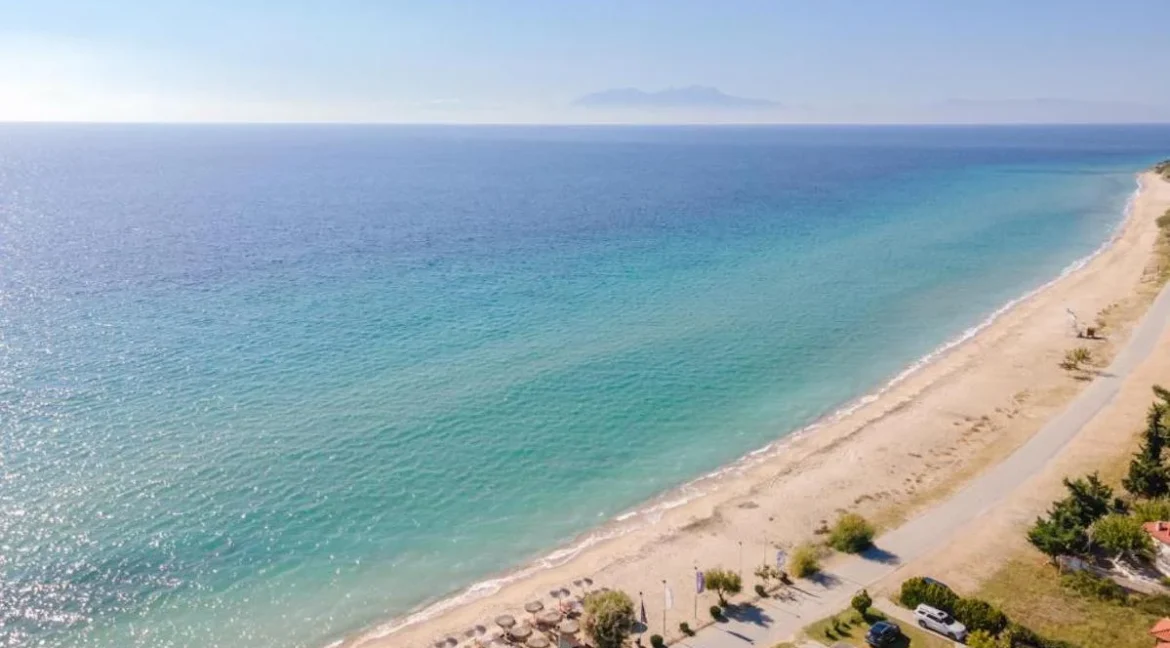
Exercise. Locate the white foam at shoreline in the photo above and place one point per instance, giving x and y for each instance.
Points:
(690, 490)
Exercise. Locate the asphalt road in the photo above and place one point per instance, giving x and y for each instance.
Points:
(780, 620)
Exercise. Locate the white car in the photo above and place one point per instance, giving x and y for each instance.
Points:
(940, 622)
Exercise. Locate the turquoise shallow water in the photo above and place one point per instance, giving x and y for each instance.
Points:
(265, 386)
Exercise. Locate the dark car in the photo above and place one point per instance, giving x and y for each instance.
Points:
(883, 633)
(930, 581)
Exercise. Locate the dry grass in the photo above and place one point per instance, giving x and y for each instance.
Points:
(1159, 271)
(1028, 590)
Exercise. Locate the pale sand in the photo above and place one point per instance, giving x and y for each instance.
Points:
(920, 440)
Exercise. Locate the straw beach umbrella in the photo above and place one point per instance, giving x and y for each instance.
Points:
(537, 641)
(548, 618)
(505, 621)
(532, 607)
(568, 627)
(520, 632)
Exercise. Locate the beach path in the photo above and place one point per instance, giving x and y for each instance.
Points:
(830, 592)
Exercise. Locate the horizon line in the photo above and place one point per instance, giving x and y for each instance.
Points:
(32, 122)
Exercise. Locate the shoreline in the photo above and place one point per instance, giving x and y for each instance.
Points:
(688, 511)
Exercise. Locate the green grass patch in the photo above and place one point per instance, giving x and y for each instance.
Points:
(1031, 594)
(850, 629)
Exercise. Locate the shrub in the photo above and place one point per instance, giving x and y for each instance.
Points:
(1154, 510)
(862, 602)
(657, 642)
(685, 628)
(981, 639)
(851, 534)
(980, 615)
(1074, 358)
(716, 612)
(760, 591)
(1122, 535)
(1093, 586)
(724, 582)
(609, 617)
(805, 561)
(916, 591)
(767, 572)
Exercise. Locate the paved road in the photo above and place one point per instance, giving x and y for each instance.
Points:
(780, 620)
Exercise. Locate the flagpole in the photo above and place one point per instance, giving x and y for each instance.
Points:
(664, 607)
(695, 614)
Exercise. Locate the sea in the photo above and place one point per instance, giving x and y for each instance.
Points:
(271, 386)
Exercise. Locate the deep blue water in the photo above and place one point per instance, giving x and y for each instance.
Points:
(263, 386)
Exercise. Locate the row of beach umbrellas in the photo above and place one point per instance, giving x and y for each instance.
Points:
(523, 633)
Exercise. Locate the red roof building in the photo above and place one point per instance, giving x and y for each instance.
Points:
(1161, 633)
(1159, 531)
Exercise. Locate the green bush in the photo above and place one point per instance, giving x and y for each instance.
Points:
(685, 628)
(980, 615)
(657, 642)
(1093, 586)
(609, 618)
(724, 582)
(982, 639)
(716, 612)
(805, 561)
(916, 591)
(760, 591)
(851, 534)
(862, 602)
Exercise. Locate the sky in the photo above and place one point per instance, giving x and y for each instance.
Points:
(528, 61)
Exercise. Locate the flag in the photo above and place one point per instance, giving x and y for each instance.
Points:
(669, 603)
(700, 584)
(642, 618)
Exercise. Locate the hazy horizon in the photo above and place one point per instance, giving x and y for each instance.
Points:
(527, 62)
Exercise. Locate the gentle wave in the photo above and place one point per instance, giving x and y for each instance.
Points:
(708, 482)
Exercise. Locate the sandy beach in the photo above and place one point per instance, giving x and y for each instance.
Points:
(887, 457)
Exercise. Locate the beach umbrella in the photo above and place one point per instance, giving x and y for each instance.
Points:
(505, 621)
(533, 607)
(521, 632)
(568, 627)
(537, 641)
(451, 641)
(548, 617)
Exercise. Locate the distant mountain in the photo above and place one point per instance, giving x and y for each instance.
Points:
(689, 97)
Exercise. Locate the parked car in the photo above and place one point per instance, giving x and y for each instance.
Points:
(930, 581)
(940, 622)
(883, 633)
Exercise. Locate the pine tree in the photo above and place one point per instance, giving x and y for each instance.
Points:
(1148, 476)
(1060, 534)
(1088, 499)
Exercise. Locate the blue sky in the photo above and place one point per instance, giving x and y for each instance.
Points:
(528, 60)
